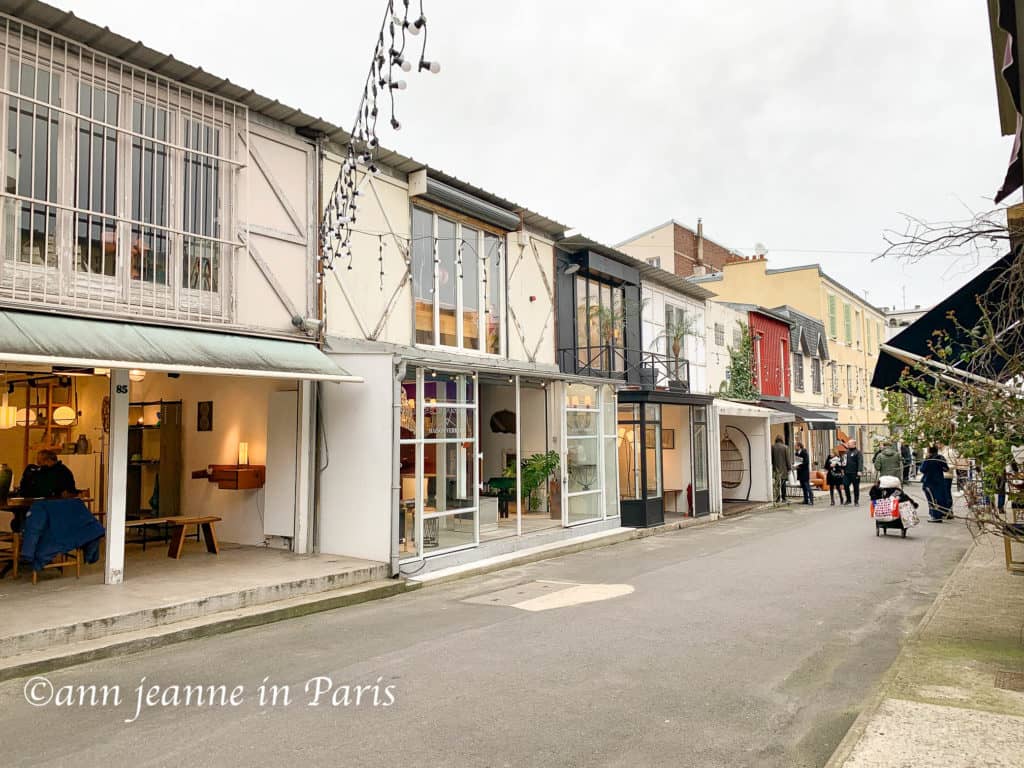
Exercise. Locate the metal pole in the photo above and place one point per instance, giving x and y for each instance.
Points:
(519, 463)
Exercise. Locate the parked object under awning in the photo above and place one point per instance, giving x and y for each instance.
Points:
(30, 338)
(812, 419)
(915, 342)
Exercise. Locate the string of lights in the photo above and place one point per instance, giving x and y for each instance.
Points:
(389, 60)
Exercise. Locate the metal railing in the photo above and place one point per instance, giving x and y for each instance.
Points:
(650, 370)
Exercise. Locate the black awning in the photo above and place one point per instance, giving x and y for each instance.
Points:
(663, 397)
(966, 306)
(813, 419)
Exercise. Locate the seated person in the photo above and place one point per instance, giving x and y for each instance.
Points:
(48, 478)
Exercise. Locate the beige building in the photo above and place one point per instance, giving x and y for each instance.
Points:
(854, 329)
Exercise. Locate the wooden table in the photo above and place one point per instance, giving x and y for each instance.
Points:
(178, 523)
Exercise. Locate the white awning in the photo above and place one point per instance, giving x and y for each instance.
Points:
(733, 408)
(29, 338)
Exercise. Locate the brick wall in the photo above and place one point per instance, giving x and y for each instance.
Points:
(685, 247)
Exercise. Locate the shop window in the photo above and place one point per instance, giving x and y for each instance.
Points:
(456, 272)
(600, 326)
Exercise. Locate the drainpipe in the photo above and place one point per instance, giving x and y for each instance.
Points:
(396, 463)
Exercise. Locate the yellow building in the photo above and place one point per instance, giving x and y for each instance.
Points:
(854, 328)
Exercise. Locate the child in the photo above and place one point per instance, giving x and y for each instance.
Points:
(834, 478)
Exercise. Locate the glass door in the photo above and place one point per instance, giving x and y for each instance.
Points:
(584, 455)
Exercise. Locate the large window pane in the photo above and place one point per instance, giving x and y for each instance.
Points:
(150, 194)
(653, 449)
(423, 274)
(584, 507)
(470, 288)
(492, 291)
(446, 277)
(700, 448)
(448, 532)
(449, 388)
(32, 135)
(450, 474)
(628, 454)
(96, 181)
(201, 207)
(583, 463)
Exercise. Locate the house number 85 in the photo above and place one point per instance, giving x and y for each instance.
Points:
(121, 389)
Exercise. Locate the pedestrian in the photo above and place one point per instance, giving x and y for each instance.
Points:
(834, 477)
(933, 482)
(803, 472)
(852, 469)
(908, 461)
(887, 461)
(781, 465)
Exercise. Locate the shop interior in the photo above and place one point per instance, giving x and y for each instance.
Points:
(463, 415)
(196, 446)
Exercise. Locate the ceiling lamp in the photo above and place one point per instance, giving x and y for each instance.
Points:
(64, 416)
(136, 374)
(25, 417)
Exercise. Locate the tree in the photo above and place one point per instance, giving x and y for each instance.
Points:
(969, 394)
(740, 385)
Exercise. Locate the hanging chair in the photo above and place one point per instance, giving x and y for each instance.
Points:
(733, 466)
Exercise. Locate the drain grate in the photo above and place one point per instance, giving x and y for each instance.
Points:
(1010, 681)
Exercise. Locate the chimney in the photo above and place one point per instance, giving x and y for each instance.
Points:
(700, 268)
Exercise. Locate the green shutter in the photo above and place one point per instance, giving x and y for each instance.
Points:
(847, 324)
(832, 329)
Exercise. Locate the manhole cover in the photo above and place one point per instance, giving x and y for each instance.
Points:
(1010, 681)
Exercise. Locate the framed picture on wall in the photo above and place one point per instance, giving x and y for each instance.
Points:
(204, 416)
(668, 439)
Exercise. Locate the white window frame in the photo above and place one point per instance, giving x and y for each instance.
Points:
(483, 286)
(76, 65)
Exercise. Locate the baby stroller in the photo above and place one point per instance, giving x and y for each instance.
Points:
(891, 508)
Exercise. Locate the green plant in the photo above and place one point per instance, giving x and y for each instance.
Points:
(675, 334)
(740, 385)
(536, 471)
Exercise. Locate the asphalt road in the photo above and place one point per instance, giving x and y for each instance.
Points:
(750, 641)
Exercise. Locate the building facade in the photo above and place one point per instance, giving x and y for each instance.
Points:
(854, 331)
(675, 247)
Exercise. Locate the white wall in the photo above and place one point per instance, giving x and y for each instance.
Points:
(655, 298)
(355, 489)
(240, 410)
(533, 408)
(718, 356)
(759, 469)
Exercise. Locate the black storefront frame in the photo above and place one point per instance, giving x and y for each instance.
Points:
(649, 511)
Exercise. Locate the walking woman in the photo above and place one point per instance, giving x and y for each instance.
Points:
(933, 482)
(803, 473)
(834, 477)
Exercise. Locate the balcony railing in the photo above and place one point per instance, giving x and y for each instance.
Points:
(650, 370)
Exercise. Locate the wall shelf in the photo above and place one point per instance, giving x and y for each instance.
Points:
(234, 477)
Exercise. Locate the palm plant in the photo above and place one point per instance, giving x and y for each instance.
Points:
(675, 333)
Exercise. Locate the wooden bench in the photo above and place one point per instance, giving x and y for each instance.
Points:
(178, 523)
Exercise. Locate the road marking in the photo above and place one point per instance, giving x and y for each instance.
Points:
(577, 595)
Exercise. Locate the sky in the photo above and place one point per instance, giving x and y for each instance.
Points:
(811, 128)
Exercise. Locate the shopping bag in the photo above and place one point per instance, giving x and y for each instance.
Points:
(885, 510)
(908, 516)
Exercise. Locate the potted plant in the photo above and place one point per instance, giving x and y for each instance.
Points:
(537, 471)
(675, 334)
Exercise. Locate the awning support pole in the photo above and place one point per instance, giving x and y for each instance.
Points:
(117, 477)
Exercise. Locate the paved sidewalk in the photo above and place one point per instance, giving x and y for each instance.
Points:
(955, 694)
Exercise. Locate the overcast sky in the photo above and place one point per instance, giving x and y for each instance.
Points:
(806, 126)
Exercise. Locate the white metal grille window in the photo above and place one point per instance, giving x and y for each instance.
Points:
(719, 334)
(456, 271)
(798, 372)
(115, 179)
(816, 375)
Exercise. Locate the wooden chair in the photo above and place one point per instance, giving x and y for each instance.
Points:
(72, 559)
(10, 549)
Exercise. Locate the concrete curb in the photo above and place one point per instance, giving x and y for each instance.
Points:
(229, 621)
(874, 701)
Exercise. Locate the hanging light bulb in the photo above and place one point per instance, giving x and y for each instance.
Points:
(414, 27)
(433, 66)
(397, 84)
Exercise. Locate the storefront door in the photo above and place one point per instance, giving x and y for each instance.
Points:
(699, 454)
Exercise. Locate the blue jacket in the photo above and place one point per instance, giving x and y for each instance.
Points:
(56, 526)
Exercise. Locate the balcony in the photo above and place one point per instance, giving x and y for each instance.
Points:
(635, 367)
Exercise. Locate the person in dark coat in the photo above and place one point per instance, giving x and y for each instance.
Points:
(852, 468)
(834, 477)
(908, 461)
(803, 472)
(781, 465)
(48, 478)
(933, 483)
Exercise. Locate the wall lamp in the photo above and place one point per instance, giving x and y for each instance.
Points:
(571, 269)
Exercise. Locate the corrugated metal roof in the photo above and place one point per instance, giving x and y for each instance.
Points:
(647, 271)
(137, 53)
(37, 338)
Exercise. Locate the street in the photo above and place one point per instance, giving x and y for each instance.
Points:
(749, 641)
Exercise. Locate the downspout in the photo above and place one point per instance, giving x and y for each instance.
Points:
(318, 440)
(321, 296)
(396, 464)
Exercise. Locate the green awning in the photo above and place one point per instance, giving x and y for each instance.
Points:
(30, 338)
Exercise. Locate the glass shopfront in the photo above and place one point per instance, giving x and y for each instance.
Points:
(443, 464)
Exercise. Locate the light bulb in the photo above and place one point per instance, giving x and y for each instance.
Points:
(399, 84)
(433, 66)
(404, 64)
(416, 26)
(395, 124)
